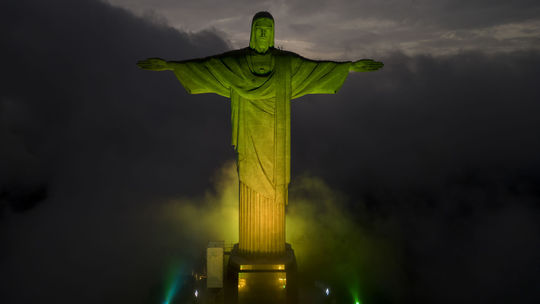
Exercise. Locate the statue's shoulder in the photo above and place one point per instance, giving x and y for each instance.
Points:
(283, 53)
(240, 53)
(234, 53)
(248, 51)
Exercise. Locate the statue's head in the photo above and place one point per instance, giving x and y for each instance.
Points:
(262, 32)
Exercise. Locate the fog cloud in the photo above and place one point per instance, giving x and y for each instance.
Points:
(422, 177)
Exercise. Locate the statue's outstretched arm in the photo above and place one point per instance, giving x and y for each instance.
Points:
(196, 75)
(365, 65)
(154, 64)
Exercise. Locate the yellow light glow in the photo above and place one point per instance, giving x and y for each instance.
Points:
(263, 267)
(241, 283)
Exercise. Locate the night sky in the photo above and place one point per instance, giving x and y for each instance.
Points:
(420, 183)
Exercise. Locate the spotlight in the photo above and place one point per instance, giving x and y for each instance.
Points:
(327, 291)
(196, 293)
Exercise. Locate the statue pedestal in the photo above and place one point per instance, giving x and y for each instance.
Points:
(261, 279)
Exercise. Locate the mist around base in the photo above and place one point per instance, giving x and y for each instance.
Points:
(333, 251)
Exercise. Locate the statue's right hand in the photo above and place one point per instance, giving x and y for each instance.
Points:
(153, 64)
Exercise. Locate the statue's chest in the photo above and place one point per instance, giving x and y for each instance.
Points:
(261, 64)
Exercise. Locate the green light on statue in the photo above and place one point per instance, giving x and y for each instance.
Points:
(261, 81)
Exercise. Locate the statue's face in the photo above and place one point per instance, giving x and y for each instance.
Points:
(263, 34)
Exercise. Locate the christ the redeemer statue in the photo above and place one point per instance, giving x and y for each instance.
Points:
(261, 81)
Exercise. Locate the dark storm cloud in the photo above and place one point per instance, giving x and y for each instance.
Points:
(90, 141)
(436, 158)
(347, 29)
(449, 14)
(470, 109)
(71, 86)
(441, 155)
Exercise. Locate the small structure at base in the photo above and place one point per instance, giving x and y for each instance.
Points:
(214, 264)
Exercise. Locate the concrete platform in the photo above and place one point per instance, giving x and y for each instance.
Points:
(261, 279)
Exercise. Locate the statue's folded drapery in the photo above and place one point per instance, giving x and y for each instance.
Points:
(260, 119)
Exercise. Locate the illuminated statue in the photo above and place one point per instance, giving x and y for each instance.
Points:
(261, 80)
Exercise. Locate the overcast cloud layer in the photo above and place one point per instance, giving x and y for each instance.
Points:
(349, 29)
(432, 164)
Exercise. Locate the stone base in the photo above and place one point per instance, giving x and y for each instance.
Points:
(261, 278)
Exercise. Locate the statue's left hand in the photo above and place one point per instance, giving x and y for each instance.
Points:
(365, 65)
(153, 64)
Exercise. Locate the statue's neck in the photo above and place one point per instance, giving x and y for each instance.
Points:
(261, 50)
(261, 64)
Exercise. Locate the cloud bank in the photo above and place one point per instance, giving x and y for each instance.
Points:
(430, 167)
(349, 29)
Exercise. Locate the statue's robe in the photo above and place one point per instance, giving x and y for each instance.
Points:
(261, 128)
